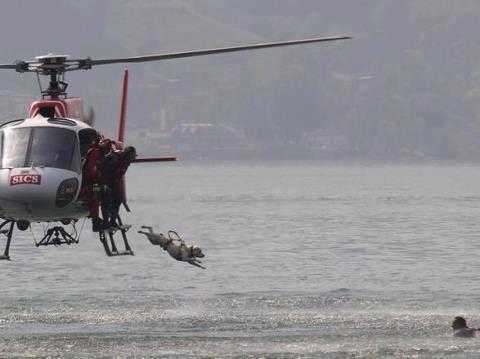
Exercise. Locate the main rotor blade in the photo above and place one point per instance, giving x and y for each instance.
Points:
(154, 159)
(178, 55)
(8, 66)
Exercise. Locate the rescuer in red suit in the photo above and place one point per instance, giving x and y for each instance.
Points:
(114, 167)
(92, 185)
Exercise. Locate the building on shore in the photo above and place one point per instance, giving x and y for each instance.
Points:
(207, 140)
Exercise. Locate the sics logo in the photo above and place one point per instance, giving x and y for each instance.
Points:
(25, 179)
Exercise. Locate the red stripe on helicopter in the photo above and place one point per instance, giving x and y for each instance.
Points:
(25, 179)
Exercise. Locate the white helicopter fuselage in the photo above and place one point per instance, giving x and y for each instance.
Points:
(41, 172)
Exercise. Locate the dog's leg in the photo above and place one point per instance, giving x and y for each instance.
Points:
(147, 227)
(194, 263)
(145, 233)
(150, 231)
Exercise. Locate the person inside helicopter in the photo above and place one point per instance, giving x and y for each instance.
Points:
(114, 167)
(87, 138)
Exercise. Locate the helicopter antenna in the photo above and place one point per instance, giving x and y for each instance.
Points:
(39, 83)
(55, 66)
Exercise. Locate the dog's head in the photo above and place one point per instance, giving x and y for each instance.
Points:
(197, 252)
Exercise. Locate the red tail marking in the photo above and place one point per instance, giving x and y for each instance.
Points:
(123, 108)
(121, 130)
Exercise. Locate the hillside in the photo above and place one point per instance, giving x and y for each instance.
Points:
(406, 87)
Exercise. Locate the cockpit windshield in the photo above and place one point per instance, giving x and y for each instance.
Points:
(40, 147)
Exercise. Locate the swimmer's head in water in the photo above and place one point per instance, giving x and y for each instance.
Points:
(459, 323)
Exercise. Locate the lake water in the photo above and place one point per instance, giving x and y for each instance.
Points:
(304, 260)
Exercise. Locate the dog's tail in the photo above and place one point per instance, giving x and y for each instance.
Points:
(151, 237)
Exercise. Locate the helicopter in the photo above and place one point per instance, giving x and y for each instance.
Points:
(43, 154)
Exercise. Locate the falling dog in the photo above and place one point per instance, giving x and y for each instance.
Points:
(175, 246)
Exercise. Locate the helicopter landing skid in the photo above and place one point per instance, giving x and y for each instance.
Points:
(56, 236)
(7, 233)
(111, 250)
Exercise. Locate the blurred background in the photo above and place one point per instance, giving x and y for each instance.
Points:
(407, 87)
